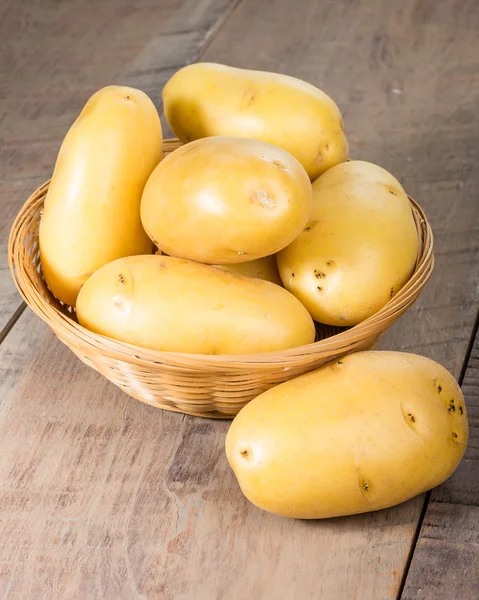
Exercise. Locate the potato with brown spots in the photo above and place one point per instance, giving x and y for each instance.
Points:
(171, 304)
(358, 249)
(226, 200)
(206, 99)
(360, 434)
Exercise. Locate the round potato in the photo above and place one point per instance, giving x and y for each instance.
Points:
(167, 303)
(261, 268)
(358, 249)
(226, 200)
(92, 209)
(206, 99)
(363, 433)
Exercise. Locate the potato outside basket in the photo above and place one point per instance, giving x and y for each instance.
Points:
(201, 385)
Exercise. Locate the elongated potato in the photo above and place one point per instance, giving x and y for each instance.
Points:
(358, 249)
(206, 99)
(226, 200)
(261, 268)
(366, 432)
(167, 303)
(92, 210)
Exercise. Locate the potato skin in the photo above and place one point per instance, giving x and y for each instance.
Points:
(261, 268)
(366, 432)
(359, 248)
(92, 209)
(207, 99)
(226, 200)
(171, 304)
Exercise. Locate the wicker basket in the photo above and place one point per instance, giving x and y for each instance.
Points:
(202, 385)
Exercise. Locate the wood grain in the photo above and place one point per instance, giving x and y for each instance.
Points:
(446, 557)
(444, 565)
(55, 55)
(102, 497)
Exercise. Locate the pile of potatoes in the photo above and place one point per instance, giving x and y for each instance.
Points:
(235, 243)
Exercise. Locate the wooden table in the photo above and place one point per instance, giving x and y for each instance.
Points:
(102, 497)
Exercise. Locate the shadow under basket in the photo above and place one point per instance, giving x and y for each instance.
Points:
(201, 385)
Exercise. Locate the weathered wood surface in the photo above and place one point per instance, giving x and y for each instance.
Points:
(445, 564)
(54, 55)
(102, 497)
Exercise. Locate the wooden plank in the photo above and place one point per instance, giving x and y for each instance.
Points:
(446, 558)
(55, 55)
(444, 566)
(102, 497)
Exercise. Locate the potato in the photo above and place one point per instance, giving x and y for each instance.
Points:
(359, 248)
(92, 210)
(363, 433)
(206, 99)
(167, 303)
(226, 200)
(261, 268)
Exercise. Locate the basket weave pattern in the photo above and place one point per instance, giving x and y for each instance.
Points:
(202, 385)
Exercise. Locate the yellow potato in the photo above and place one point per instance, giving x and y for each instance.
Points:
(206, 99)
(167, 303)
(226, 200)
(92, 210)
(366, 432)
(261, 268)
(359, 248)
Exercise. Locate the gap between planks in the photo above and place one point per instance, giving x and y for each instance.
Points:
(11, 322)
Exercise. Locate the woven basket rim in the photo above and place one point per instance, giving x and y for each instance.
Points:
(68, 329)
